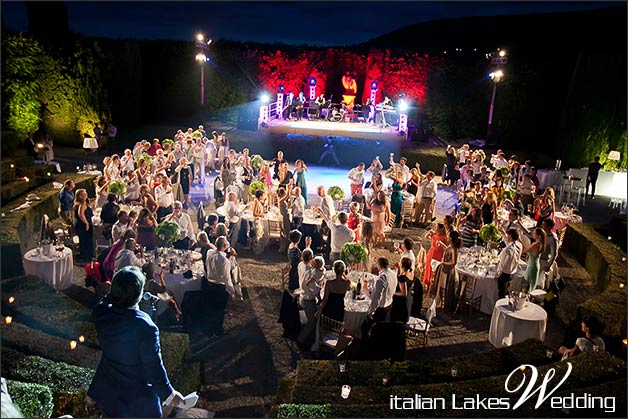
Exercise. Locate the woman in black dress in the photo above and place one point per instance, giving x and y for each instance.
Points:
(333, 304)
(83, 225)
(399, 311)
(294, 257)
(184, 179)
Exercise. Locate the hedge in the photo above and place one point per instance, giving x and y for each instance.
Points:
(486, 364)
(290, 410)
(56, 319)
(34, 400)
(602, 259)
(68, 383)
(18, 229)
(588, 368)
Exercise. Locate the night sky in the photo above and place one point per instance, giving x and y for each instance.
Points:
(314, 23)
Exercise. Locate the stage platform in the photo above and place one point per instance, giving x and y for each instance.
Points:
(327, 128)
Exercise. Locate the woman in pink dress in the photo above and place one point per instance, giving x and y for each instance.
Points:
(436, 250)
(380, 212)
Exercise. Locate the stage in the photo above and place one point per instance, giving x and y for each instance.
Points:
(325, 128)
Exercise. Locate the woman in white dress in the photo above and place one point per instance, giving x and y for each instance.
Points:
(49, 154)
(127, 161)
(199, 152)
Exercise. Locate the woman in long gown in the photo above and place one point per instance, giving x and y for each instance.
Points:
(435, 252)
(396, 199)
(259, 240)
(83, 225)
(537, 247)
(448, 272)
(145, 227)
(300, 170)
(399, 311)
(184, 179)
(380, 212)
(282, 201)
(333, 304)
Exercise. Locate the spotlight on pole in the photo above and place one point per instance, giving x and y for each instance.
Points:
(312, 81)
(265, 98)
(201, 57)
(200, 37)
(374, 85)
(502, 53)
(403, 106)
(496, 76)
(281, 88)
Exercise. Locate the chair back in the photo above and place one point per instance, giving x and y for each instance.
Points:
(469, 290)
(275, 228)
(421, 256)
(391, 220)
(328, 323)
(285, 271)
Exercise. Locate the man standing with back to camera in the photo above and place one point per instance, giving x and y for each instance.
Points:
(131, 380)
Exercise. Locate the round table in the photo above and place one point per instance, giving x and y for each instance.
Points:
(55, 270)
(561, 220)
(529, 322)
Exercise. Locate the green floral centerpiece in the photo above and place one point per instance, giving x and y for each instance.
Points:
(509, 194)
(352, 253)
(490, 233)
(117, 187)
(390, 173)
(167, 232)
(197, 134)
(257, 162)
(144, 156)
(256, 185)
(167, 141)
(336, 193)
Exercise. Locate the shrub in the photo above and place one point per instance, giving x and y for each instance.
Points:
(290, 410)
(34, 400)
(59, 376)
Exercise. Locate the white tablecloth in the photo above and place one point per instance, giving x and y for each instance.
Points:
(90, 143)
(549, 178)
(561, 220)
(611, 184)
(529, 322)
(56, 270)
(91, 172)
(179, 285)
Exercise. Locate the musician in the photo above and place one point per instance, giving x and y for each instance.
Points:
(320, 103)
(370, 106)
(298, 105)
(382, 107)
(289, 107)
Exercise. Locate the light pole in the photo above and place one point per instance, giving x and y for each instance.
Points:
(202, 45)
(497, 58)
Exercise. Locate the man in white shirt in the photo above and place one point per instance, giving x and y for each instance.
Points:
(298, 208)
(403, 168)
(340, 234)
(126, 256)
(499, 160)
(186, 229)
(327, 204)
(428, 188)
(210, 149)
(464, 153)
(508, 261)
(230, 208)
(120, 226)
(219, 287)
(356, 175)
(164, 196)
(382, 297)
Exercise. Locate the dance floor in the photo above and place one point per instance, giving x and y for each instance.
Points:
(326, 176)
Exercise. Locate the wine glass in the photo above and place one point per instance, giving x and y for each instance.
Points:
(397, 245)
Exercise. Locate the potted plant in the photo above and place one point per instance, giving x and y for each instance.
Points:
(144, 156)
(167, 141)
(118, 188)
(167, 232)
(256, 185)
(257, 162)
(352, 254)
(337, 194)
(489, 233)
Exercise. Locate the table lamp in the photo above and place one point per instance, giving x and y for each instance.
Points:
(614, 155)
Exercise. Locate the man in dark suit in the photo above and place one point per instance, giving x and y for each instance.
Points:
(30, 146)
(131, 380)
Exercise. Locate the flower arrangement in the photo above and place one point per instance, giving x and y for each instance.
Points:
(145, 157)
(490, 233)
(352, 253)
(117, 187)
(167, 233)
(336, 193)
(509, 194)
(197, 134)
(257, 162)
(167, 141)
(256, 185)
